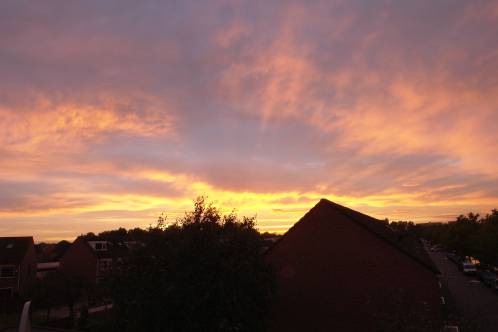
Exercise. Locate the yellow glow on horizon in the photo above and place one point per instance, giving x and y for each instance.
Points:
(275, 211)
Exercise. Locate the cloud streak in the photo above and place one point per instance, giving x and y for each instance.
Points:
(111, 113)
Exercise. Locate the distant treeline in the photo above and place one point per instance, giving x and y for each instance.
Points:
(145, 236)
(470, 235)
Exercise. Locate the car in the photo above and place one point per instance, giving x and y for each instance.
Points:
(467, 267)
(488, 278)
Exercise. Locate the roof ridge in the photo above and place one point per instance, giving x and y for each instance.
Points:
(347, 212)
(13, 249)
(293, 227)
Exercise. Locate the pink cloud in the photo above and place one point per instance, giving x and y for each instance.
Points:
(386, 106)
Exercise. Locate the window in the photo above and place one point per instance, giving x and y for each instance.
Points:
(7, 271)
(100, 246)
(105, 264)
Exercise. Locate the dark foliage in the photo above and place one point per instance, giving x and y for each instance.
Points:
(205, 272)
(402, 227)
(122, 235)
(468, 236)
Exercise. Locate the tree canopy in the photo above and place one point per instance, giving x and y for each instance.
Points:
(469, 235)
(204, 272)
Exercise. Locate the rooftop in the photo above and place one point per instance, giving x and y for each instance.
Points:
(13, 249)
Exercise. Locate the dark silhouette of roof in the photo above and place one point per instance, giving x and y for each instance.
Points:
(52, 252)
(406, 243)
(114, 249)
(340, 270)
(13, 249)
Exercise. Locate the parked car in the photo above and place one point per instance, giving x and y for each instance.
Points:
(467, 267)
(472, 260)
(488, 278)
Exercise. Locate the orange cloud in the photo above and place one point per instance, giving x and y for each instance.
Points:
(274, 211)
(71, 124)
(109, 118)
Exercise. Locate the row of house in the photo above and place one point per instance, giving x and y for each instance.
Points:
(87, 259)
(336, 270)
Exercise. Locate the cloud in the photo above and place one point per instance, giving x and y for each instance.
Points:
(121, 111)
(63, 125)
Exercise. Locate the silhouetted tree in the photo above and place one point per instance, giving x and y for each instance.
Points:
(402, 226)
(203, 273)
(469, 235)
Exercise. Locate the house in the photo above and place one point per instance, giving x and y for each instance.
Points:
(17, 266)
(45, 269)
(51, 252)
(89, 259)
(48, 257)
(341, 270)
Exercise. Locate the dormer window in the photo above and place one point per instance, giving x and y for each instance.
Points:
(100, 246)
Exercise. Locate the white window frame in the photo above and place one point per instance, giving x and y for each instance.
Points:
(103, 246)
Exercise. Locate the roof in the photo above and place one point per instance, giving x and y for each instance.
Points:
(406, 243)
(50, 252)
(114, 249)
(340, 270)
(13, 249)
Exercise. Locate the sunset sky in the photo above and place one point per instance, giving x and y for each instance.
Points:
(112, 112)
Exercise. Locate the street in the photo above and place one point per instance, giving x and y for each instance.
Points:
(476, 303)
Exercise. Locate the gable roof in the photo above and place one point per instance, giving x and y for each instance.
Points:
(13, 249)
(114, 249)
(52, 252)
(406, 243)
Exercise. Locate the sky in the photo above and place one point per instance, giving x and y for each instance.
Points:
(112, 112)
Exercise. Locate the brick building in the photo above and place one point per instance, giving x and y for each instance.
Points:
(341, 270)
(90, 259)
(17, 266)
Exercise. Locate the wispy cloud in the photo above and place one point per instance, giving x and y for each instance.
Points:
(113, 113)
